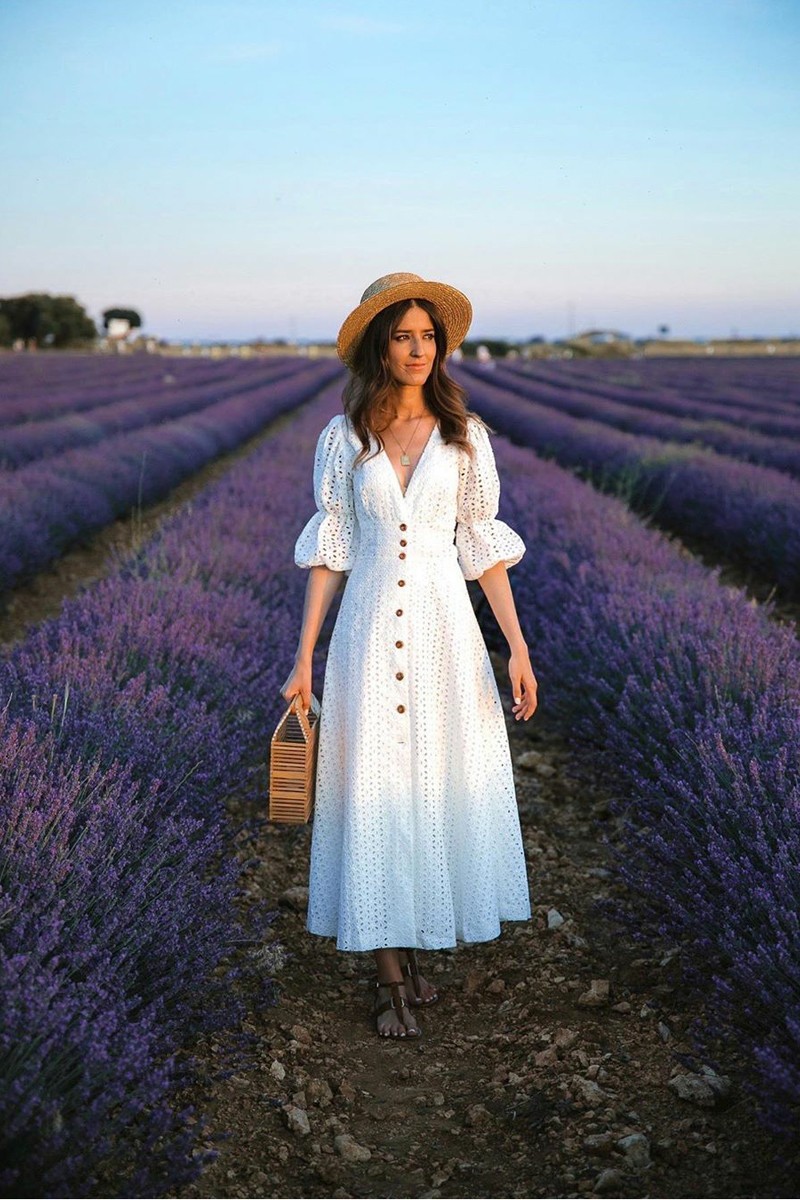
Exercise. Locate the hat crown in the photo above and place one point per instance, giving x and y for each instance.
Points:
(390, 281)
(453, 308)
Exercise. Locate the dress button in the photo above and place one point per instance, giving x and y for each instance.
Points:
(402, 554)
(401, 708)
(404, 527)
(399, 612)
(403, 542)
(401, 583)
(399, 675)
(399, 645)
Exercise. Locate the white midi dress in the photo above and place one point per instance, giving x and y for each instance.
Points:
(416, 837)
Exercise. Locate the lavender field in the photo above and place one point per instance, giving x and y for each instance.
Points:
(130, 718)
(118, 879)
(79, 450)
(723, 483)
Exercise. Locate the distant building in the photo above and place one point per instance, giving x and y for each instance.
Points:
(118, 328)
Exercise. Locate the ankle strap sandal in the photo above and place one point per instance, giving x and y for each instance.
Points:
(398, 1002)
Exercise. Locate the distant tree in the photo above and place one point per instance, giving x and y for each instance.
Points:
(6, 335)
(122, 314)
(71, 323)
(41, 319)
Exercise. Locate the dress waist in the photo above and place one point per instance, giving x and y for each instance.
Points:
(413, 543)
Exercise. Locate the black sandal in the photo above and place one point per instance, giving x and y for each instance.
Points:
(397, 1002)
(411, 971)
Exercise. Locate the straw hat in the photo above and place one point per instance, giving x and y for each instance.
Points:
(452, 306)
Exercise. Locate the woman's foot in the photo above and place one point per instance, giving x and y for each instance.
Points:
(393, 1015)
(420, 992)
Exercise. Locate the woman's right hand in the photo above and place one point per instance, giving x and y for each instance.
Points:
(299, 681)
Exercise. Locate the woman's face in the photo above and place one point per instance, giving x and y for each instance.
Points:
(412, 348)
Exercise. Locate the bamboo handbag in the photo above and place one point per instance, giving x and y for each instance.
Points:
(293, 763)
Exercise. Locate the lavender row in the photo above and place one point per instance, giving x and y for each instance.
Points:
(726, 378)
(750, 514)
(688, 697)
(748, 412)
(48, 505)
(746, 444)
(724, 389)
(37, 387)
(51, 399)
(41, 379)
(118, 880)
(33, 440)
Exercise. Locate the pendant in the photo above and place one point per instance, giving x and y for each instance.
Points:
(405, 460)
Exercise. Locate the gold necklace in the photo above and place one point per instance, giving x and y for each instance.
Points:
(404, 459)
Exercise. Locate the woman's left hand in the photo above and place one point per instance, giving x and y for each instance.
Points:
(523, 685)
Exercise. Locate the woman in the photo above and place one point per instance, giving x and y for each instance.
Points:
(416, 839)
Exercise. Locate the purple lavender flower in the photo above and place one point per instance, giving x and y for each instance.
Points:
(750, 514)
(47, 504)
(688, 698)
(126, 722)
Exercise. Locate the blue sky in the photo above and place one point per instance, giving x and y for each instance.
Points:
(247, 168)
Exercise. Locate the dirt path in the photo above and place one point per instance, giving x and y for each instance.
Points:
(527, 1081)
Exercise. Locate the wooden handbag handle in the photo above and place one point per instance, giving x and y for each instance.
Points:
(296, 704)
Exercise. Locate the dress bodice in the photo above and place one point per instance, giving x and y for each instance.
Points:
(451, 499)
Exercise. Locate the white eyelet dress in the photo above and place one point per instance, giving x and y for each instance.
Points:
(416, 837)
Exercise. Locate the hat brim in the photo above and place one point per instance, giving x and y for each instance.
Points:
(453, 308)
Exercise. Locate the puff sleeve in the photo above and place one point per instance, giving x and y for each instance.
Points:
(330, 538)
(481, 539)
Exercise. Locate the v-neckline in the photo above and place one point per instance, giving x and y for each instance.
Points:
(425, 448)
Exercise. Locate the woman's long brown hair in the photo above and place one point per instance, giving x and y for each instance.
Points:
(369, 396)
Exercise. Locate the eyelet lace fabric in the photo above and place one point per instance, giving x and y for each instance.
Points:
(416, 838)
